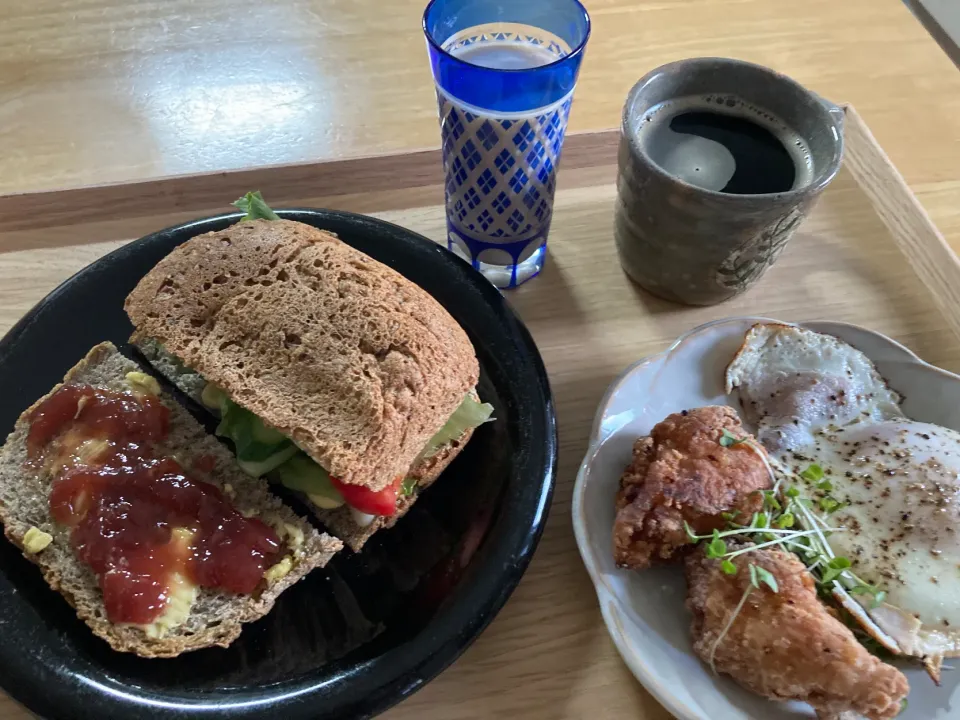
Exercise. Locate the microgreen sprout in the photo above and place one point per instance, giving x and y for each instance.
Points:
(770, 500)
(833, 569)
(728, 439)
(760, 575)
(830, 505)
(862, 588)
(789, 520)
(716, 548)
(726, 628)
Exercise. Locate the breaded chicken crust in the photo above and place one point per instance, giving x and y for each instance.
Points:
(786, 645)
(680, 473)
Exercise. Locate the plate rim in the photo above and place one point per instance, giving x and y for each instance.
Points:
(608, 599)
(511, 552)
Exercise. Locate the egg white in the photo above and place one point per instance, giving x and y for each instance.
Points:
(815, 400)
(899, 485)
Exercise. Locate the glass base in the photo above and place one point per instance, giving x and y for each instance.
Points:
(506, 276)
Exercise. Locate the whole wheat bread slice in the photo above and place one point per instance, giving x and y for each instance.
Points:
(340, 520)
(359, 366)
(216, 617)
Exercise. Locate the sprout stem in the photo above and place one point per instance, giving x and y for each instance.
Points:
(726, 629)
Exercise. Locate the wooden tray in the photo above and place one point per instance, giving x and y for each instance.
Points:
(547, 655)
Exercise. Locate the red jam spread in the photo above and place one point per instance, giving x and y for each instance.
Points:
(138, 517)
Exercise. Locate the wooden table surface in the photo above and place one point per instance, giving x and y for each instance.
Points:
(102, 90)
(95, 91)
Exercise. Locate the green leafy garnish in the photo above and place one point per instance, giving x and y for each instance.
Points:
(788, 520)
(770, 500)
(255, 207)
(830, 505)
(862, 588)
(259, 449)
(716, 548)
(408, 486)
(760, 575)
(728, 439)
(833, 569)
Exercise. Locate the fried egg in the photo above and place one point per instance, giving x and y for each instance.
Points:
(817, 401)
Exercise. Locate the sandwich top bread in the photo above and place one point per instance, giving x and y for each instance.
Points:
(142, 521)
(354, 363)
(329, 370)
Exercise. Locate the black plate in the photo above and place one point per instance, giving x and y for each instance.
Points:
(368, 630)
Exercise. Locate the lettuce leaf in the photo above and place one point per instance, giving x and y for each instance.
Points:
(259, 449)
(469, 414)
(255, 207)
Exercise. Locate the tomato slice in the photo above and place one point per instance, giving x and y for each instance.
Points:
(382, 502)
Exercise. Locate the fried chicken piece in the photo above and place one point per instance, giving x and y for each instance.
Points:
(680, 473)
(786, 645)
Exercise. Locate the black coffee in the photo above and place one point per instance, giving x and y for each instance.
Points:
(734, 148)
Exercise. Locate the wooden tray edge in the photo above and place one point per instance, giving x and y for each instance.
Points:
(283, 185)
(911, 227)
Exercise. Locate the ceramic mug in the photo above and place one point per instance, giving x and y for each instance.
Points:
(699, 246)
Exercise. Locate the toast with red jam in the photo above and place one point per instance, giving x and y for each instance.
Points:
(141, 520)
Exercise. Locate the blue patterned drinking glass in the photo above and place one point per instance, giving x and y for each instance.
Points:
(505, 73)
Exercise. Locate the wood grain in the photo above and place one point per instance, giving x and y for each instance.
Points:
(393, 181)
(918, 238)
(547, 654)
(95, 91)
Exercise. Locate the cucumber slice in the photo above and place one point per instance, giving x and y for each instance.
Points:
(469, 414)
(258, 468)
(303, 474)
(324, 502)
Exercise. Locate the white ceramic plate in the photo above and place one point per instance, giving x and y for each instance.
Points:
(644, 611)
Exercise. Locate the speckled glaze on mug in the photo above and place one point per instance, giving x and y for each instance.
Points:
(697, 246)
